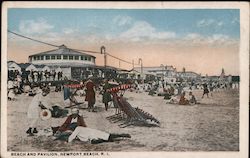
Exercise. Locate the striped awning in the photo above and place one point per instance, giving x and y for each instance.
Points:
(74, 85)
(120, 87)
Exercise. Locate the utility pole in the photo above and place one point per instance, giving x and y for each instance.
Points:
(133, 63)
(103, 51)
(162, 71)
(140, 62)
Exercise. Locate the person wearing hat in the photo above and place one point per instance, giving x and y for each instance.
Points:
(75, 127)
(90, 94)
(37, 104)
(72, 121)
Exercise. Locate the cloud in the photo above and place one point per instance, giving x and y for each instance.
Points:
(122, 20)
(209, 23)
(220, 23)
(218, 38)
(142, 30)
(192, 36)
(38, 26)
(235, 20)
(40, 29)
(69, 30)
(214, 39)
(133, 31)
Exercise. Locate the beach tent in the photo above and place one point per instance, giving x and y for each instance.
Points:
(46, 68)
(10, 62)
(42, 67)
(14, 66)
(31, 67)
(58, 69)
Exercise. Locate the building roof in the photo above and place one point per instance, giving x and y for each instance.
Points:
(10, 62)
(40, 66)
(187, 72)
(24, 65)
(62, 50)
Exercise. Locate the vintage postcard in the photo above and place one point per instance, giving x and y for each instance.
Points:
(125, 79)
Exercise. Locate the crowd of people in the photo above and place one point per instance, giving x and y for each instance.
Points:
(26, 81)
(182, 93)
(35, 76)
(74, 126)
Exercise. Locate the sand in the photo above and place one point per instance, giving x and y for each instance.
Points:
(212, 125)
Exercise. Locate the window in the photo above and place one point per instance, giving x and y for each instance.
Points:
(34, 57)
(47, 57)
(86, 58)
(38, 58)
(53, 57)
(65, 57)
(41, 57)
(58, 57)
(76, 57)
(82, 57)
(70, 57)
(89, 58)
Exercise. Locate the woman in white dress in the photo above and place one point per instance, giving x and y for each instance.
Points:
(37, 104)
(11, 90)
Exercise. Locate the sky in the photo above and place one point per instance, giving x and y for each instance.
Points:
(201, 40)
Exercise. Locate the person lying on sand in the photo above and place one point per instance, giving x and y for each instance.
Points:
(71, 130)
(72, 121)
(173, 100)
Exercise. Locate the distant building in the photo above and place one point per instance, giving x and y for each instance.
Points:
(169, 73)
(129, 74)
(214, 78)
(188, 75)
(62, 56)
(159, 71)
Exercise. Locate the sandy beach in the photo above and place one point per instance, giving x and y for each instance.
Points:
(212, 125)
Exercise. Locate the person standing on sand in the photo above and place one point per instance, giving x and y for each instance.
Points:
(37, 104)
(211, 89)
(66, 95)
(106, 97)
(90, 94)
(11, 90)
(205, 90)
